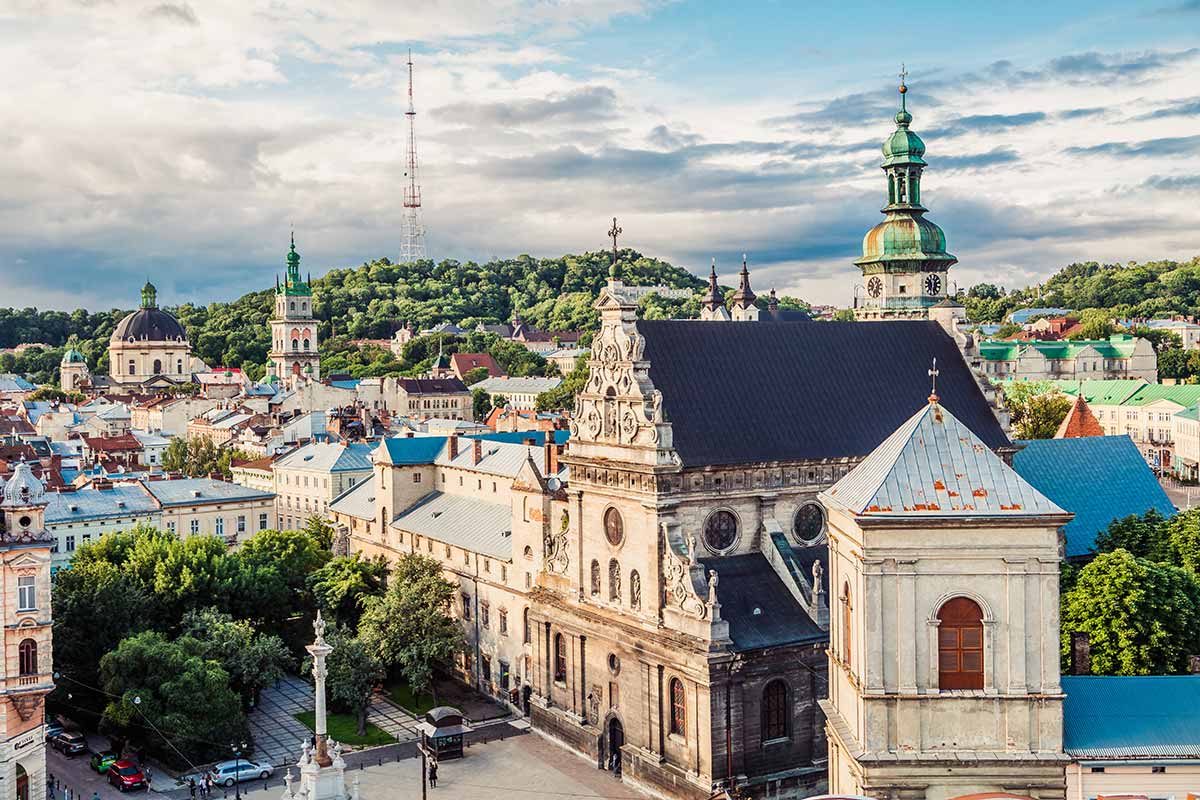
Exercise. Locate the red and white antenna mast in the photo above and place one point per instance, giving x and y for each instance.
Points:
(412, 247)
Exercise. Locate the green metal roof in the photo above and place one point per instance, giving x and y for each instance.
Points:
(1117, 346)
(1104, 393)
(1185, 394)
(1191, 413)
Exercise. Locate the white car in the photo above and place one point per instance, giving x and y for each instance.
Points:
(227, 773)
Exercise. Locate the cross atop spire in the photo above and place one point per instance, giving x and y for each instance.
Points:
(613, 233)
(933, 375)
(744, 297)
(714, 297)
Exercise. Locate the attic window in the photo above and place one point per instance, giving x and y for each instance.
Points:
(195, 492)
(757, 611)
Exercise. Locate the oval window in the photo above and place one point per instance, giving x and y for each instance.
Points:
(614, 527)
(809, 523)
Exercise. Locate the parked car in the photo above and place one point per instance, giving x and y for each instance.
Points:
(102, 761)
(125, 775)
(70, 743)
(227, 773)
(53, 728)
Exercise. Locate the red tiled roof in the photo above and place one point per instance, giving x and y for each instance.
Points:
(1079, 422)
(110, 444)
(258, 463)
(462, 363)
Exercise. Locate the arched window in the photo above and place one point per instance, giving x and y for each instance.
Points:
(525, 634)
(157, 366)
(595, 578)
(960, 645)
(306, 344)
(132, 367)
(179, 366)
(847, 623)
(678, 708)
(528, 552)
(383, 519)
(635, 590)
(295, 344)
(560, 657)
(27, 653)
(292, 306)
(775, 711)
(614, 580)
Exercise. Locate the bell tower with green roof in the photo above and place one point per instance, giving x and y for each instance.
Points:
(904, 261)
(294, 353)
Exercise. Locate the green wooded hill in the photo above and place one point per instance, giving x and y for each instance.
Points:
(1152, 289)
(369, 301)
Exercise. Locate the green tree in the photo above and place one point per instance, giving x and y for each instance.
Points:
(475, 375)
(1094, 323)
(481, 404)
(320, 530)
(158, 684)
(844, 315)
(562, 397)
(1145, 536)
(410, 628)
(1142, 618)
(1183, 536)
(344, 585)
(293, 555)
(354, 672)
(1037, 408)
(253, 660)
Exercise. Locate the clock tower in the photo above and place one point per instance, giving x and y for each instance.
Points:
(904, 260)
(294, 356)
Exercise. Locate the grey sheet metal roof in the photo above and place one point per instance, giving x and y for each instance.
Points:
(933, 465)
(326, 457)
(92, 504)
(496, 458)
(14, 383)
(357, 501)
(191, 491)
(461, 521)
(1142, 716)
(760, 610)
(517, 385)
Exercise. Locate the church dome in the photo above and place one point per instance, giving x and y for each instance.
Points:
(151, 324)
(23, 488)
(906, 238)
(903, 146)
(73, 356)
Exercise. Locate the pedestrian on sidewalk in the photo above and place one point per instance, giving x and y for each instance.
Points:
(433, 774)
(51, 791)
(148, 774)
(192, 788)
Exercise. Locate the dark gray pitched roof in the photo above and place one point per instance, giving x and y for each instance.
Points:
(740, 393)
(748, 583)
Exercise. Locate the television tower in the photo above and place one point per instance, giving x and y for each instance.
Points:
(412, 248)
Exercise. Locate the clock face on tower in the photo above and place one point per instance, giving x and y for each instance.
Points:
(875, 286)
(933, 284)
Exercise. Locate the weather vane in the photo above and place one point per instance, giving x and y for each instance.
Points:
(903, 73)
(933, 375)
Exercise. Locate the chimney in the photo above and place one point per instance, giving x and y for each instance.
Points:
(530, 441)
(548, 458)
(1081, 654)
(452, 445)
(476, 451)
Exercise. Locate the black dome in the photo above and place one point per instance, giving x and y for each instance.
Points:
(150, 324)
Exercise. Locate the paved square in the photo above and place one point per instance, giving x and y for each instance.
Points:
(278, 735)
(524, 766)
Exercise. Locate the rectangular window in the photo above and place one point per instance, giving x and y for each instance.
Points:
(241, 523)
(220, 526)
(503, 622)
(504, 677)
(87, 537)
(70, 542)
(486, 668)
(466, 611)
(195, 527)
(483, 614)
(262, 521)
(26, 593)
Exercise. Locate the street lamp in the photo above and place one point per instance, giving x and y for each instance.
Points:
(237, 769)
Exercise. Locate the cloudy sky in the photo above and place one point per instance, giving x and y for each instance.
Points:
(181, 140)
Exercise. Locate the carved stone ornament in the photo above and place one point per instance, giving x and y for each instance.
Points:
(557, 558)
(678, 580)
(618, 404)
(26, 705)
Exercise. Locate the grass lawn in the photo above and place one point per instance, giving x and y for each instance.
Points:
(344, 728)
(402, 696)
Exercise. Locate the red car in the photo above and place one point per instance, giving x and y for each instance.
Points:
(126, 775)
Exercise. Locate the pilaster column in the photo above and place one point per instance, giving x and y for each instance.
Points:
(873, 613)
(1015, 641)
(906, 626)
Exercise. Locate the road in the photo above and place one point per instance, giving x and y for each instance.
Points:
(75, 773)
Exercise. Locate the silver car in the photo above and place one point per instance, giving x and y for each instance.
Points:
(227, 773)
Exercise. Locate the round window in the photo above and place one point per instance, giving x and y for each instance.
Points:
(614, 663)
(809, 523)
(614, 527)
(721, 530)
(25, 522)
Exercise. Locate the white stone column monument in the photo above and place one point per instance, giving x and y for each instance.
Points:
(322, 770)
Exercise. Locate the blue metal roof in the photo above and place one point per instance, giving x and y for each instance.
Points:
(1126, 717)
(1022, 315)
(347, 384)
(14, 383)
(1098, 478)
(191, 491)
(519, 437)
(414, 450)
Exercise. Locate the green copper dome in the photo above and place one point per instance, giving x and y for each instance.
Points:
(271, 379)
(903, 147)
(906, 238)
(73, 356)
